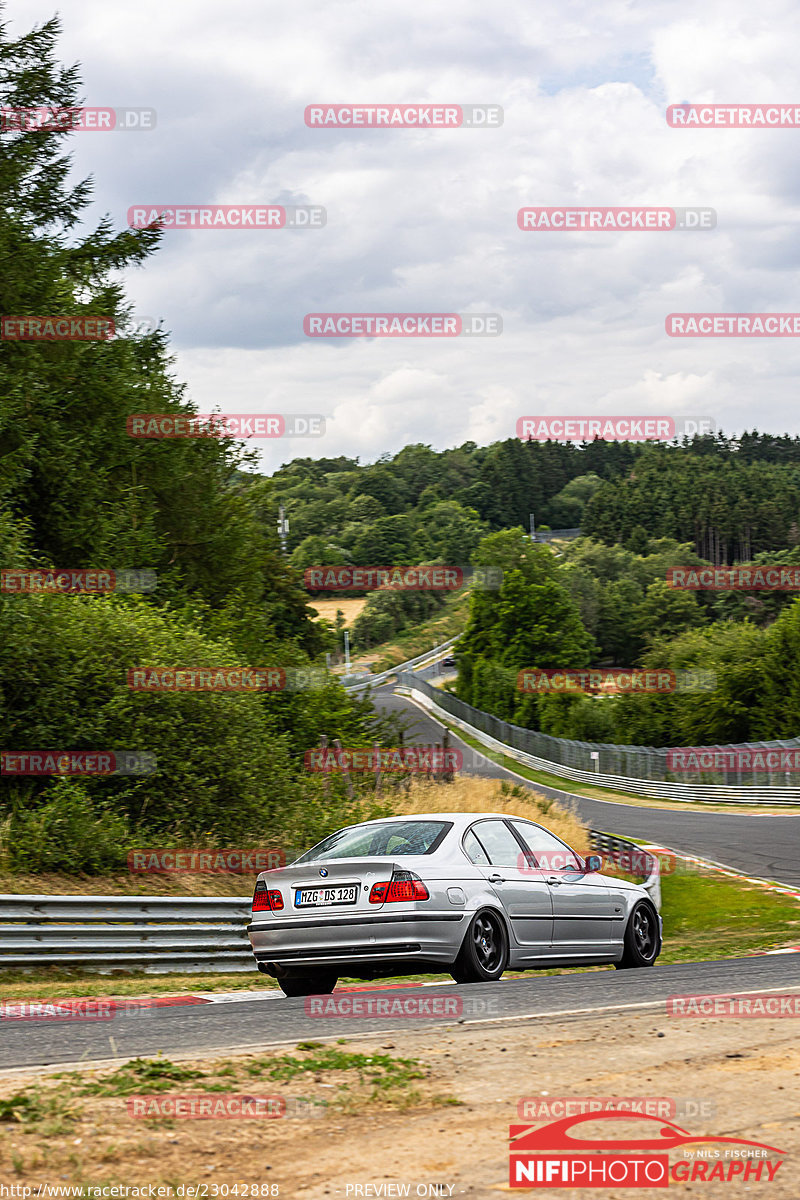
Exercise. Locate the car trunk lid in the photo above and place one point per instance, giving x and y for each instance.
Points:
(336, 886)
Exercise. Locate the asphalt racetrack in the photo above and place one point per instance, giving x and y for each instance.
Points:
(767, 846)
(272, 1019)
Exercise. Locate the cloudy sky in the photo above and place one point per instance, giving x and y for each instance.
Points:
(425, 221)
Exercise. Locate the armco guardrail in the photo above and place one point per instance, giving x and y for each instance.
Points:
(549, 535)
(104, 933)
(644, 771)
(412, 662)
(613, 846)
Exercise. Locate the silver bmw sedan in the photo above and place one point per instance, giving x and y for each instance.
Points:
(469, 893)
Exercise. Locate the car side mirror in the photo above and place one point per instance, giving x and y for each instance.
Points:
(594, 863)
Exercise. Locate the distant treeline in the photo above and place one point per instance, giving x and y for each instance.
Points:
(595, 604)
(730, 498)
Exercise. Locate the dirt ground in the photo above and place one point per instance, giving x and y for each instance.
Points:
(350, 608)
(442, 1134)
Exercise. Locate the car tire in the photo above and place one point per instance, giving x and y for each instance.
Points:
(309, 985)
(483, 956)
(642, 941)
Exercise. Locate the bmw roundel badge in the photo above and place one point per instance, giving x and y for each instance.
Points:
(323, 872)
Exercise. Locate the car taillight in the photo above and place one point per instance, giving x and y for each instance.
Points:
(265, 900)
(402, 887)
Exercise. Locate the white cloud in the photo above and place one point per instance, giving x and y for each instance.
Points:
(426, 221)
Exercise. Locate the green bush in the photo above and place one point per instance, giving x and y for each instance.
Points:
(66, 833)
(221, 765)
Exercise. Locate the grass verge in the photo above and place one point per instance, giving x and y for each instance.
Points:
(707, 916)
(127, 883)
(42, 1125)
(410, 643)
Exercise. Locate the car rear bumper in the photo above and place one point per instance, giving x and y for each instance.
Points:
(366, 938)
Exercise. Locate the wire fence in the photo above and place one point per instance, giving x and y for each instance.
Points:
(625, 767)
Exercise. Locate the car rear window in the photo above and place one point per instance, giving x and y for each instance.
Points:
(371, 841)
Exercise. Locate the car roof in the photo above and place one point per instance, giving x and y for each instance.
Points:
(458, 818)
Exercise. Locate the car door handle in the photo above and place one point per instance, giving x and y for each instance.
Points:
(496, 879)
(554, 880)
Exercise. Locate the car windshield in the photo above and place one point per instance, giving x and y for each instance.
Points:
(369, 841)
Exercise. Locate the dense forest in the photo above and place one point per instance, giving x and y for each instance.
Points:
(595, 604)
(730, 498)
(646, 507)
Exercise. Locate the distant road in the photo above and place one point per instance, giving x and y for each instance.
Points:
(765, 845)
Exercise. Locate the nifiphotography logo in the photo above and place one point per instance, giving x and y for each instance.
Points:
(553, 1156)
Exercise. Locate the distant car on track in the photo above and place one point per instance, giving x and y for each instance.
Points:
(449, 662)
(469, 893)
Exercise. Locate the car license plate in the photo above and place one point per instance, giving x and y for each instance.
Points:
(323, 897)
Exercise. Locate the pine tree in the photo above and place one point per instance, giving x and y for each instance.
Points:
(94, 496)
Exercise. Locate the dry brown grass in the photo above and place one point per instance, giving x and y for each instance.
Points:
(350, 608)
(464, 794)
(472, 794)
(43, 1119)
(126, 883)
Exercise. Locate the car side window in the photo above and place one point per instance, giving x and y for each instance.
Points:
(499, 843)
(475, 851)
(550, 853)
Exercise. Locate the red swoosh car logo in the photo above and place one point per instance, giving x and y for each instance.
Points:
(557, 1136)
